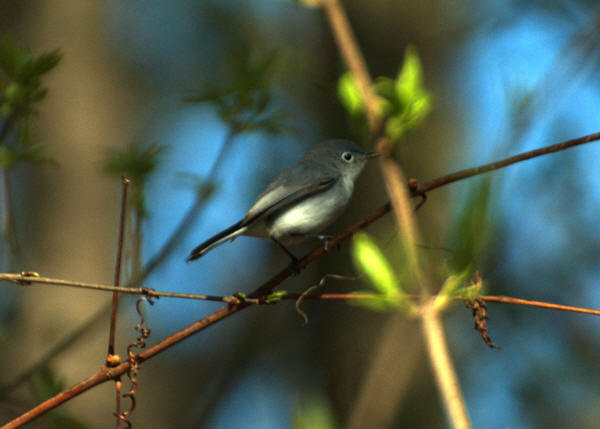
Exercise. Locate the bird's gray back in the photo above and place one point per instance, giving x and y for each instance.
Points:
(302, 174)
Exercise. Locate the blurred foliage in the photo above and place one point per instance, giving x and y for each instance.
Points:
(46, 384)
(245, 103)
(472, 230)
(371, 262)
(136, 161)
(275, 296)
(21, 90)
(313, 412)
(20, 151)
(404, 102)
(204, 188)
(451, 287)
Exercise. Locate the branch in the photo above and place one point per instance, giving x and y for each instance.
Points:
(496, 165)
(444, 371)
(348, 47)
(26, 280)
(106, 374)
(115, 298)
(166, 249)
(400, 201)
(236, 299)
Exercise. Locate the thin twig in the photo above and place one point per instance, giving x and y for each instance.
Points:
(444, 371)
(348, 46)
(27, 280)
(107, 374)
(152, 263)
(115, 299)
(228, 299)
(496, 165)
(111, 358)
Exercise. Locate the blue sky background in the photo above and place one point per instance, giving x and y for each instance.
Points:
(514, 53)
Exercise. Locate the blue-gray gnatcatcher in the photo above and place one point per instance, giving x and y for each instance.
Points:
(302, 200)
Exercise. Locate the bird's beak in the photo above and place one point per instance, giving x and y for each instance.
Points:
(372, 154)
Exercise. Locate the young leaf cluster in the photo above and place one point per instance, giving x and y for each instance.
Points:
(372, 263)
(137, 161)
(245, 103)
(403, 102)
(21, 89)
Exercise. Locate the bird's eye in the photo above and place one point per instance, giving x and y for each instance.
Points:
(347, 156)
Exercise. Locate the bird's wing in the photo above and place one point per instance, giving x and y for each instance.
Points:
(298, 182)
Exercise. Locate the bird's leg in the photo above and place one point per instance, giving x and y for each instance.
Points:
(325, 239)
(290, 254)
(321, 237)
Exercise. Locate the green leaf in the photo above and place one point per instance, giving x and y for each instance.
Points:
(46, 384)
(404, 101)
(12, 56)
(136, 161)
(450, 288)
(350, 95)
(275, 296)
(408, 84)
(473, 228)
(21, 152)
(245, 102)
(36, 67)
(370, 261)
(313, 412)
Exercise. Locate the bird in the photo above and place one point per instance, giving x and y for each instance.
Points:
(303, 200)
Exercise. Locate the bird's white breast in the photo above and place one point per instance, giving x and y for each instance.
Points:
(313, 214)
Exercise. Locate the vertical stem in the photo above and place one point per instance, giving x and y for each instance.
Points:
(443, 368)
(348, 47)
(396, 185)
(118, 402)
(117, 282)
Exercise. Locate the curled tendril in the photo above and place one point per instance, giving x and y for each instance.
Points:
(139, 343)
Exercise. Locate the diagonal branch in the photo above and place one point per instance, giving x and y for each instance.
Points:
(106, 374)
(496, 165)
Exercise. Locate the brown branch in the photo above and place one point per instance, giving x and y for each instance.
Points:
(348, 47)
(268, 286)
(488, 298)
(496, 165)
(120, 242)
(21, 279)
(443, 367)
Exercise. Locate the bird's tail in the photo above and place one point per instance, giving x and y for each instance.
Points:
(227, 234)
